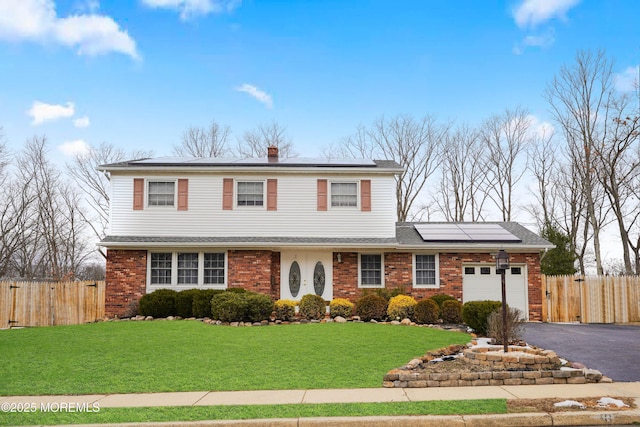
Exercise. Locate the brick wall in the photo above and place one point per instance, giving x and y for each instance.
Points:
(345, 276)
(126, 281)
(256, 271)
(399, 274)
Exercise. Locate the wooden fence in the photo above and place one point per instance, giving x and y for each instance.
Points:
(50, 303)
(591, 299)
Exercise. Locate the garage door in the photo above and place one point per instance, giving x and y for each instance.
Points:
(480, 282)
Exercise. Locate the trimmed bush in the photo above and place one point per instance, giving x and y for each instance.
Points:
(426, 312)
(229, 307)
(451, 311)
(401, 307)
(202, 302)
(160, 303)
(515, 325)
(312, 307)
(184, 302)
(441, 298)
(476, 313)
(259, 307)
(340, 307)
(371, 307)
(285, 309)
(238, 290)
(385, 293)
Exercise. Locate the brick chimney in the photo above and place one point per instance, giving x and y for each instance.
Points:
(272, 153)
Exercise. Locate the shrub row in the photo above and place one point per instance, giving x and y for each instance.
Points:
(236, 305)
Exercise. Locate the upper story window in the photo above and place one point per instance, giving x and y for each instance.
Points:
(161, 193)
(250, 193)
(344, 194)
(425, 270)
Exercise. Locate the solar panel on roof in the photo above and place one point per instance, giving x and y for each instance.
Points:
(465, 232)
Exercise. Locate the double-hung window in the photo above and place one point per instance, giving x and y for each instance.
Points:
(425, 270)
(214, 268)
(250, 193)
(161, 268)
(344, 194)
(371, 271)
(161, 193)
(188, 268)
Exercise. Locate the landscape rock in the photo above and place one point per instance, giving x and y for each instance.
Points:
(394, 322)
(340, 319)
(148, 318)
(406, 322)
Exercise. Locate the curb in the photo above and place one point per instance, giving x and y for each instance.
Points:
(592, 418)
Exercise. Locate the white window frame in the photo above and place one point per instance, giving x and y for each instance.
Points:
(436, 285)
(174, 270)
(148, 193)
(237, 194)
(330, 195)
(379, 286)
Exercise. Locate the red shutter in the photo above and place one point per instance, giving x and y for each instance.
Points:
(183, 194)
(322, 194)
(272, 194)
(138, 194)
(365, 195)
(227, 194)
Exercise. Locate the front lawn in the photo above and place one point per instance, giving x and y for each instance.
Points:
(161, 356)
(242, 412)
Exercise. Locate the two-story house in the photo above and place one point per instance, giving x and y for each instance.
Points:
(290, 227)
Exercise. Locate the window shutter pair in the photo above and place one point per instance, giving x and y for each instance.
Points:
(272, 194)
(365, 195)
(138, 194)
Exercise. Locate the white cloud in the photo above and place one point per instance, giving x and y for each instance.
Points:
(540, 128)
(531, 13)
(41, 112)
(627, 81)
(37, 20)
(541, 40)
(81, 122)
(258, 94)
(191, 8)
(74, 148)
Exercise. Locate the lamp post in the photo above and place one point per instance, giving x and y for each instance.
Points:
(502, 264)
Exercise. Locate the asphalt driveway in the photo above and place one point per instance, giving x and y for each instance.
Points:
(613, 350)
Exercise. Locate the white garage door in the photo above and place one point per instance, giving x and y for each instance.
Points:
(480, 282)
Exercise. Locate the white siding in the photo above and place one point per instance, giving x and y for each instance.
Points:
(296, 216)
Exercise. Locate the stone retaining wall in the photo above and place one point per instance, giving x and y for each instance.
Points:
(421, 380)
(518, 358)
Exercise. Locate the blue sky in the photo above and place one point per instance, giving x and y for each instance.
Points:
(138, 73)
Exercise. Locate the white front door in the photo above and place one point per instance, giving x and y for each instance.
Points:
(306, 272)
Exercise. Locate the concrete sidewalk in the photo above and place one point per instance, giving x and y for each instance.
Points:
(264, 397)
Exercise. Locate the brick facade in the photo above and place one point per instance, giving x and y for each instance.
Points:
(399, 274)
(126, 281)
(255, 270)
(259, 271)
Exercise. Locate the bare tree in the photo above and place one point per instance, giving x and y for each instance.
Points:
(543, 164)
(254, 143)
(579, 97)
(204, 142)
(413, 144)
(506, 139)
(618, 169)
(53, 242)
(95, 185)
(463, 180)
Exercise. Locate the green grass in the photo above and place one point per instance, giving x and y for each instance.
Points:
(160, 356)
(194, 413)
